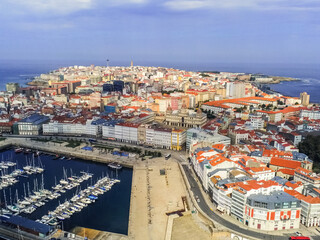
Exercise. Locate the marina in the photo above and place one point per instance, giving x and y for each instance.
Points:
(64, 192)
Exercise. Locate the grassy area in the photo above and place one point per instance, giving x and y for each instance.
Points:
(73, 144)
(130, 149)
(2, 139)
(57, 141)
(41, 139)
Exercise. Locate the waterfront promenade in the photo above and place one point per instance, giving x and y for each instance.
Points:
(60, 148)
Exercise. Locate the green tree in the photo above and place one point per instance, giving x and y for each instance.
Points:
(311, 147)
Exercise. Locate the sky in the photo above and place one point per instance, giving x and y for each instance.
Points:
(171, 31)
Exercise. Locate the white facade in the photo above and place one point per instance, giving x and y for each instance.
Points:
(310, 114)
(310, 213)
(64, 129)
(108, 131)
(162, 138)
(127, 132)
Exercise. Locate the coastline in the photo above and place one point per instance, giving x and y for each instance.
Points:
(278, 79)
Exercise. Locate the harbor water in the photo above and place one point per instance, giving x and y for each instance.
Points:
(110, 212)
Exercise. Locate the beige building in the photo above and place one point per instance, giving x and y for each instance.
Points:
(185, 119)
(305, 98)
(12, 87)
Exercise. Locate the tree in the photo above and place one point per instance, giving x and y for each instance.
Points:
(311, 147)
(269, 106)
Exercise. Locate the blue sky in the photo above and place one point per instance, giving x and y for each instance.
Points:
(259, 31)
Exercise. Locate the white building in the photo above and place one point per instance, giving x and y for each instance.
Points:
(311, 114)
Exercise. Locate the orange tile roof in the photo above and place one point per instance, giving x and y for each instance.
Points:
(287, 171)
(280, 162)
(260, 169)
(254, 184)
(293, 185)
(308, 199)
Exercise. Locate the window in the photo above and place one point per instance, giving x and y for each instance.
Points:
(277, 205)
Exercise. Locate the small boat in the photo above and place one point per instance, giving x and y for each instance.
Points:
(27, 151)
(60, 217)
(18, 150)
(13, 208)
(53, 222)
(114, 165)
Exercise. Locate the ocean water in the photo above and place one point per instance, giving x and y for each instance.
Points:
(308, 74)
(109, 213)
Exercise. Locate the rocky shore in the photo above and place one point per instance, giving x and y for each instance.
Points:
(277, 79)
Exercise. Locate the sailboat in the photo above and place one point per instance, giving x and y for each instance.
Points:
(40, 168)
(64, 180)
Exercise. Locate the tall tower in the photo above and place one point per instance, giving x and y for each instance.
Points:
(305, 98)
(131, 63)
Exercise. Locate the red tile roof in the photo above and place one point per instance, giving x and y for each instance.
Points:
(280, 162)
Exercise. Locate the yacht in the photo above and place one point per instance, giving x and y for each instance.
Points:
(114, 165)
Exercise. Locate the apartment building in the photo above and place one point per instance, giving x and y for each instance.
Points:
(275, 211)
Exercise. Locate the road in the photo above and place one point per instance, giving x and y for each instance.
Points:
(217, 218)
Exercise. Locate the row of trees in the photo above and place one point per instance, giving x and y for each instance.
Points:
(140, 152)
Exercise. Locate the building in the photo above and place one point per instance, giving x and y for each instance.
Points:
(305, 98)
(12, 87)
(238, 135)
(127, 132)
(195, 135)
(31, 125)
(33, 228)
(178, 139)
(276, 211)
(167, 138)
(261, 173)
(311, 114)
(306, 176)
(185, 119)
(108, 87)
(118, 85)
(108, 129)
(310, 208)
(243, 190)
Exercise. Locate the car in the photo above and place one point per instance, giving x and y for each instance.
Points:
(298, 233)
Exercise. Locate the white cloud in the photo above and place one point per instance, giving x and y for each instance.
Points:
(181, 5)
(67, 6)
(54, 6)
